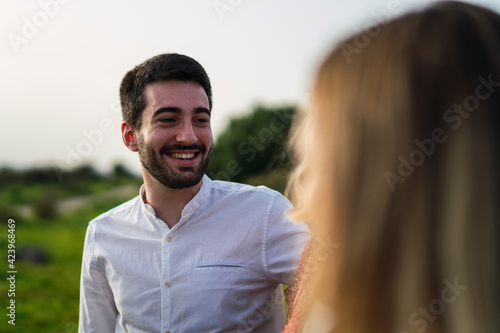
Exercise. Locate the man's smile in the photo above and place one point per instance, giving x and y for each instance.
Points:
(183, 156)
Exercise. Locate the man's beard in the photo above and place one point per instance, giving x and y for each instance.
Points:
(159, 169)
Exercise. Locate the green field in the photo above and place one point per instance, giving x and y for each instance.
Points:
(46, 294)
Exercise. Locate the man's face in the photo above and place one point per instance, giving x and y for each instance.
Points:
(175, 140)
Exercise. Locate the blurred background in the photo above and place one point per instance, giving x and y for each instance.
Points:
(62, 160)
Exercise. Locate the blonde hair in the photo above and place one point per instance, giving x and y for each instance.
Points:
(398, 163)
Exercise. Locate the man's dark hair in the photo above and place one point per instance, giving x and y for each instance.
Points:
(163, 67)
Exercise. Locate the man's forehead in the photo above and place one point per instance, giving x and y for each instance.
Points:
(172, 85)
(175, 93)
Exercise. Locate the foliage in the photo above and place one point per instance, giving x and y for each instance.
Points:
(45, 207)
(253, 146)
(26, 187)
(7, 212)
(46, 175)
(47, 295)
(119, 170)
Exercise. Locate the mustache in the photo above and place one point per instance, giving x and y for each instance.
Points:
(167, 149)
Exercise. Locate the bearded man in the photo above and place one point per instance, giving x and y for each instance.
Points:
(188, 254)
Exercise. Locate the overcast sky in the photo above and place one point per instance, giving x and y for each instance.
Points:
(61, 63)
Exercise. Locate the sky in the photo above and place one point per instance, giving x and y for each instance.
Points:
(62, 61)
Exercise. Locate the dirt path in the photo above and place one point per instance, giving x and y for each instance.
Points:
(122, 192)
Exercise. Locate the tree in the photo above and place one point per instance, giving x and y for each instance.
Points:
(253, 148)
(120, 171)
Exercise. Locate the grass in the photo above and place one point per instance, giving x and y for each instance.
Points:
(47, 295)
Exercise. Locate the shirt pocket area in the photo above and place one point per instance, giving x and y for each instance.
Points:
(219, 295)
(219, 266)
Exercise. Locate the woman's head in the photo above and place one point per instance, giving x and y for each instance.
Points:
(399, 159)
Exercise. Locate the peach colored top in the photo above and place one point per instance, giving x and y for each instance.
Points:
(320, 318)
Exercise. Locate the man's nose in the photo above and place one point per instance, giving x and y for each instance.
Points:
(186, 134)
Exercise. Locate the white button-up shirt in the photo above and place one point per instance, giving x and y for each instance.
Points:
(219, 269)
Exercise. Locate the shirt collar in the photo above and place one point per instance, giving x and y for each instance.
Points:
(199, 200)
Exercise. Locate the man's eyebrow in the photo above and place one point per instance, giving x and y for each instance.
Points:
(173, 109)
(178, 110)
(202, 110)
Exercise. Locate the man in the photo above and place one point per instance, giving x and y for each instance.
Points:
(188, 254)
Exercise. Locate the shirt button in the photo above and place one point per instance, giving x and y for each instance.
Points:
(168, 284)
(168, 239)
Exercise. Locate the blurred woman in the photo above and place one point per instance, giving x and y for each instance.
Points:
(398, 177)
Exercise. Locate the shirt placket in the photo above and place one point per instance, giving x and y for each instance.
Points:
(166, 283)
(166, 288)
(166, 273)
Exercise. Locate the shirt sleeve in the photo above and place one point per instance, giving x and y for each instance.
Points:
(285, 241)
(98, 312)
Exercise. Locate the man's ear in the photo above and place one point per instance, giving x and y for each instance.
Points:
(129, 136)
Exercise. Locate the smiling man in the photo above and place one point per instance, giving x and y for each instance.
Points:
(188, 254)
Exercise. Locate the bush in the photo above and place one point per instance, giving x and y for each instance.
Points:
(45, 207)
(8, 212)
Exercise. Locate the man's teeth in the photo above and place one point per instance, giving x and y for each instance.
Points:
(183, 156)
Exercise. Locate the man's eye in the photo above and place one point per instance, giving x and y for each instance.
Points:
(167, 120)
(202, 121)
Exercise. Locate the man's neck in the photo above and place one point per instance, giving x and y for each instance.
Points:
(168, 203)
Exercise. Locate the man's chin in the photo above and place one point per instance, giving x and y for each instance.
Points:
(184, 177)
(180, 184)
(187, 169)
